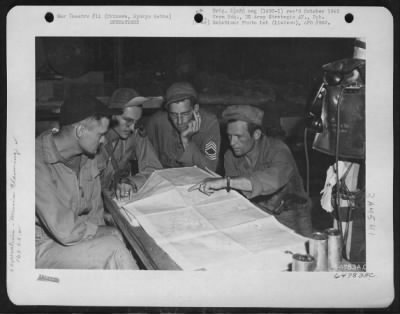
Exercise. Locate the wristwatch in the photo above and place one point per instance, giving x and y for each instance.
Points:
(228, 184)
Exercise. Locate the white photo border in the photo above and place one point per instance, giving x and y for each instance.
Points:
(192, 289)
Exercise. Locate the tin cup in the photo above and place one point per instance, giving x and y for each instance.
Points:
(303, 262)
(319, 250)
(334, 249)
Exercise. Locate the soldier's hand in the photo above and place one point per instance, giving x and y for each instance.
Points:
(209, 185)
(124, 191)
(193, 126)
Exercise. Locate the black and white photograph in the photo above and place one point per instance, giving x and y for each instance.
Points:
(189, 159)
(247, 110)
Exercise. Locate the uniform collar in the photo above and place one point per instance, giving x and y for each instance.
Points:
(51, 155)
(255, 153)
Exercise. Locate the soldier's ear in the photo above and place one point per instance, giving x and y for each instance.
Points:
(257, 134)
(80, 128)
(196, 107)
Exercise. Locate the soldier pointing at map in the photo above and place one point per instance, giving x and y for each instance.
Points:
(263, 169)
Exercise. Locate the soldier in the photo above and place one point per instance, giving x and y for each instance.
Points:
(263, 169)
(70, 228)
(125, 144)
(184, 135)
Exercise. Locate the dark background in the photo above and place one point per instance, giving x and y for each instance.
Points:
(140, 62)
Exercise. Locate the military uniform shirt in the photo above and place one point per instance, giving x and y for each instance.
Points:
(135, 147)
(69, 209)
(273, 175)
(202, 151)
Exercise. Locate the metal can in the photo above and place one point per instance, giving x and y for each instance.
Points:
(319, 250)
(334, 249)
(303, 262)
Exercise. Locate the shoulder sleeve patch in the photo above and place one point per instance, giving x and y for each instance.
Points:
(210, 150)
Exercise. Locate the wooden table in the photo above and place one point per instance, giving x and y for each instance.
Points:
(144, 248)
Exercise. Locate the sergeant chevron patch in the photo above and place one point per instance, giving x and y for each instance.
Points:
(211, 150)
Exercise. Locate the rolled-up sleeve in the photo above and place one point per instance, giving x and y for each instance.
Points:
(269, 177)
(60, 221)
(272, 176)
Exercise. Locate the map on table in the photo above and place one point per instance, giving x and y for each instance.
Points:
(220, 231)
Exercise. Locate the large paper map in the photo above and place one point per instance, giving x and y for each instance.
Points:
(220, 231)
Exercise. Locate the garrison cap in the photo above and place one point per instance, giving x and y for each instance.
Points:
(80, 107)
(243, 113)
(180, 91)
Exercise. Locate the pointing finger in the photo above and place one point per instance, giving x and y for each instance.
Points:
(194, 187)
(205, 192)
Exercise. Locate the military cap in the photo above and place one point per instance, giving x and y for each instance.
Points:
(76, 108)
(243, 113)
(180, 91)
(126, 97)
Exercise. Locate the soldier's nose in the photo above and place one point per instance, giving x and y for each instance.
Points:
(179, 119)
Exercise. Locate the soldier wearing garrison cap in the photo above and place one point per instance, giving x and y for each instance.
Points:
(70, 227)
(183, 134)
(263, 169)
(125, 145)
